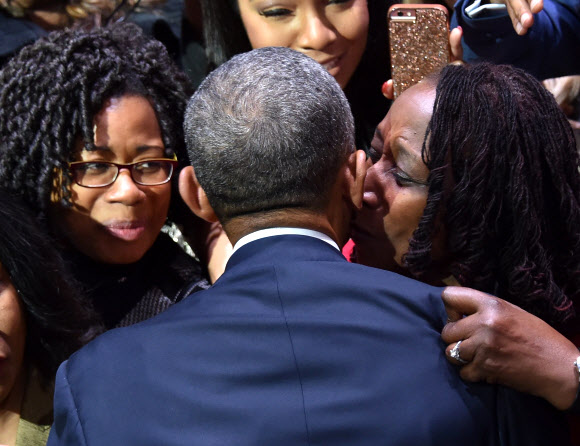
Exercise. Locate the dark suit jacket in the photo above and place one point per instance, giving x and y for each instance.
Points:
(292, 346)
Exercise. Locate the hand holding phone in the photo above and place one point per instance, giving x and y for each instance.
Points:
(418, 42)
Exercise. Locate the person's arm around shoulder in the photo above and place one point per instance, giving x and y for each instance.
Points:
(67, 428)
(501, 343)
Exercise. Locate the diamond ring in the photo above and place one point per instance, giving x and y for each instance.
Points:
(454, 353)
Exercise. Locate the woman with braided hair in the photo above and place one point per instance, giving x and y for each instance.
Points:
(476, 182)
(91, 127)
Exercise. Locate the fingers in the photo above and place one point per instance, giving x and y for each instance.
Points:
(469, 311)
(536, 6)
(472, 373)
(520, 13)
(459, 353)
(455, 44)
(460, 301)
(454, 309)
(464, 328)
(470, 367)
(473, 364)
(388, 90)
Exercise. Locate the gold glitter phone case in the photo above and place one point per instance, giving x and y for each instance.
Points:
(418, 41)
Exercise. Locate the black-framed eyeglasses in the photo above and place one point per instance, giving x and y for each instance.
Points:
(150, 172)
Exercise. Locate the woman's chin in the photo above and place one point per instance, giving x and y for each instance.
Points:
(370, 256)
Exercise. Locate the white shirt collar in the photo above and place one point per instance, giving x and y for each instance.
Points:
(270, 232)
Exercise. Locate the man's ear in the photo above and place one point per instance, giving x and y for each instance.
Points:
(194, 195)
(356, 173)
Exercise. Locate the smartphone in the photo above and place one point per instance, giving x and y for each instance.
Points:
(418, 42)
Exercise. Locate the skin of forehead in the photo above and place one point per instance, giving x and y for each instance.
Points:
(415, 103)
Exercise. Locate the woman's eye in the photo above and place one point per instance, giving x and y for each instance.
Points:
(148, 166)
(95, 168)
(275, 12)
(404, 180)
(330, 2)
(400, 178)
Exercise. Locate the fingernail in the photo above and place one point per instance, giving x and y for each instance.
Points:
(384, 88)
(526, 17)
(534, 3)
(519, 28)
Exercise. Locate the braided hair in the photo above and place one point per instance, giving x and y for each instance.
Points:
(51, 91)
(505, 184)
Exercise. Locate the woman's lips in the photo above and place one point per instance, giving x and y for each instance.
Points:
(126, 230)
(5, 353)
(331, 64)
(357, 233)
(366, 226)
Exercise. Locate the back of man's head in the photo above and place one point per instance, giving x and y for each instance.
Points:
(268, 130)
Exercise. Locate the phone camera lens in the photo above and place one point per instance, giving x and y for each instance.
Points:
(400, 14)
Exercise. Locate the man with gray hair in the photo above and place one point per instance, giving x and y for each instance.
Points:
(292, 345)
(255, 150)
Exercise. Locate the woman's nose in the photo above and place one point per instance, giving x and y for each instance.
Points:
(371, 197)
(124, 190)
(316, 32)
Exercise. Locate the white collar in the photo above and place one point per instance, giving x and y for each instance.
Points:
(270, 232)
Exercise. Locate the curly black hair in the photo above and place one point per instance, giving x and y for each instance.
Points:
(58, 320)
(505, 184)
(51, 91)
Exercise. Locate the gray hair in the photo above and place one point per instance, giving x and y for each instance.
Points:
(268, 130)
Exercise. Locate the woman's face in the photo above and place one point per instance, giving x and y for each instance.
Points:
(118, 223)
(395, 187)
(332, 32)
(12, 336)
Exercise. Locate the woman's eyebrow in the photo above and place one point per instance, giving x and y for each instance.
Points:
(400, 143)
(145, 148)
(95, 148)
(140, 149)
(409, 160)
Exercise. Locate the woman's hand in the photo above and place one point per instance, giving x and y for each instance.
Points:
(506, 345)
(455, 48)
(520, 11)
(456, 55)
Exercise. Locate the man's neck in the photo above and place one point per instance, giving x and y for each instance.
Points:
(238, 227)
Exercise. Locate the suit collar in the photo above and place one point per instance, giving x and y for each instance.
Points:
(284, 248)
(270, 232)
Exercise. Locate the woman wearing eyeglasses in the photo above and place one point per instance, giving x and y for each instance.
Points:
(91, 125)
